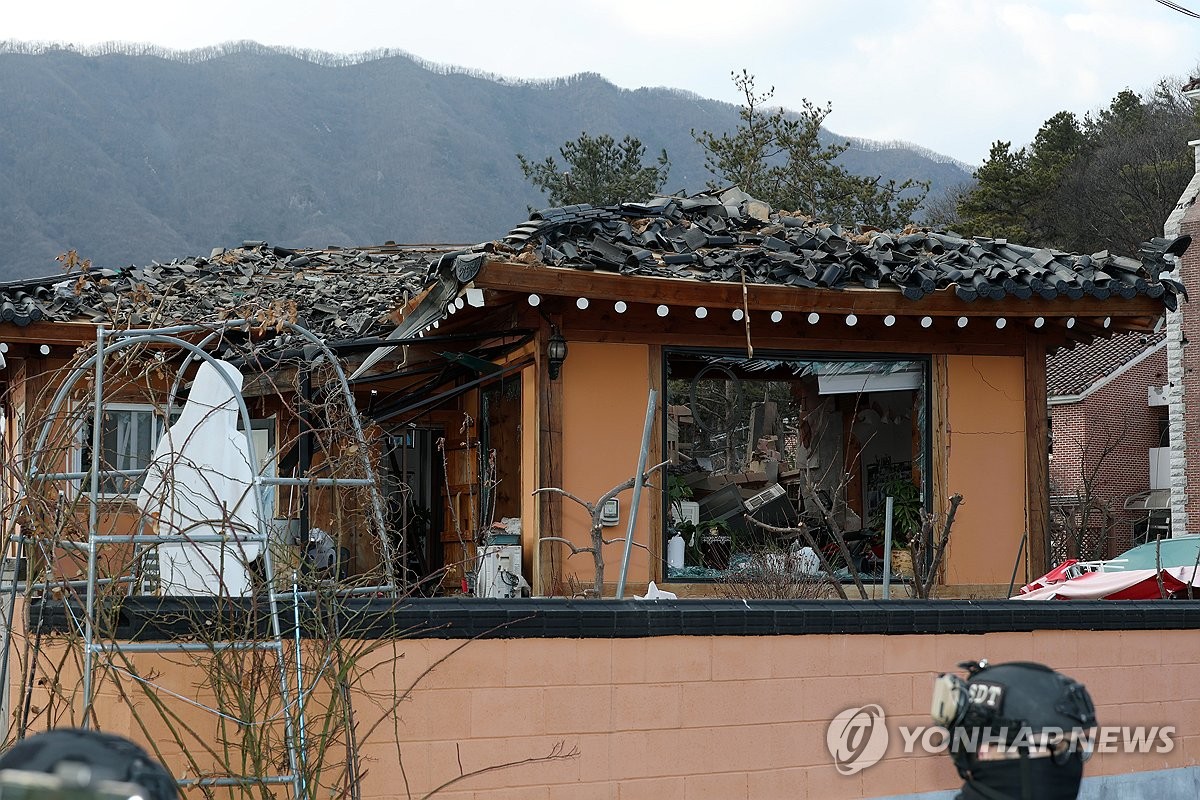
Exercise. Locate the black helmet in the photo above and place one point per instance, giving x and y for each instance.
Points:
(1017, 730)
(107, 756)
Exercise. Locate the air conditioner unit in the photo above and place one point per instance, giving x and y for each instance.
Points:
(762, 498)
(772, 506)
(1156, 395)
(500, 572)
(686, 511)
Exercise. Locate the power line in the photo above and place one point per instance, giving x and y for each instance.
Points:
(1179, 8)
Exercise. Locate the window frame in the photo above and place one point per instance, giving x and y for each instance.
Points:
(924, 359)
(83, 444)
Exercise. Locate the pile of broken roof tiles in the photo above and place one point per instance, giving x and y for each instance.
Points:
(338, 294)
(728, 236)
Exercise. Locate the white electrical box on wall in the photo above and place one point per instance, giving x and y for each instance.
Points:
(610, 514)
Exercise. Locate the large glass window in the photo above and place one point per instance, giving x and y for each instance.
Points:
(780, 439)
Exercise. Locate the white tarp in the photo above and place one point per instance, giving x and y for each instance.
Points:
(201, 481)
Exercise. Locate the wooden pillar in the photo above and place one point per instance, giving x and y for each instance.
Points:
(549, 574)
(939, 447)
(652, 500)
(1037, 457)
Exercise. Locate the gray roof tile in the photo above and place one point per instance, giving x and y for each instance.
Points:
(336, 293)
(710, 237)
(343, 293)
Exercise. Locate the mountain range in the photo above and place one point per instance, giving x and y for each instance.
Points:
(129, 154)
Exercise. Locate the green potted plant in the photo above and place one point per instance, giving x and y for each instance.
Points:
(677, 492)
(908, 506)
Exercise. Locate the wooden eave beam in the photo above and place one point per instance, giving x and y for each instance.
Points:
(403, 311)
(598, 285)
(50, 332)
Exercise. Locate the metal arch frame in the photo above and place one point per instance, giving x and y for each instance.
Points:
(169, 335)
(195, 352)
(730, 420)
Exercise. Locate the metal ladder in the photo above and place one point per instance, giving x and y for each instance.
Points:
(95, 650)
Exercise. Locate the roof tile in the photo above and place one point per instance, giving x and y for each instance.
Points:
(734, 236)
(1070, 371)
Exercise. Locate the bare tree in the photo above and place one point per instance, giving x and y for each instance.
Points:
(928, 549)
(1083, 520)
(208, 710)
(596, 548)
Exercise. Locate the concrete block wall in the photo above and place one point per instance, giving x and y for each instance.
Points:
(678, 718)
(688, 717)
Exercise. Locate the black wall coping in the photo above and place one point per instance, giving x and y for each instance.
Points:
(154, 618)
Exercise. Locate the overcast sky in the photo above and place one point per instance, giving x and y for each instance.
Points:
(951, 75)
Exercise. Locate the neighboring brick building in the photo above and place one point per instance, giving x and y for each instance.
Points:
(1108, 422)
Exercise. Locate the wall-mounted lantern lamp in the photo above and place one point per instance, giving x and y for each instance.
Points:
(556, 352)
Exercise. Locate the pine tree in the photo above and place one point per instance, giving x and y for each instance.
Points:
(1106, 182)
(780, 158)
(597, 170)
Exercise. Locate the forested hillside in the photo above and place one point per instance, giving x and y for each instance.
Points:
(132, 155)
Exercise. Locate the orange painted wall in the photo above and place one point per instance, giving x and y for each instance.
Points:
(604, 406)
(986, 465)
(733, 718)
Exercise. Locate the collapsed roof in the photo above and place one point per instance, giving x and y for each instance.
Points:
(338, 294)
(728, 236)
(709, 237)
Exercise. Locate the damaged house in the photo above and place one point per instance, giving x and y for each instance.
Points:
(797, 366)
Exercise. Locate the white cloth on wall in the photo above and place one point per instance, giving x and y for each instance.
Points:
(201, 481)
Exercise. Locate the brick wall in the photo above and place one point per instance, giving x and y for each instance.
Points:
(1117, 416)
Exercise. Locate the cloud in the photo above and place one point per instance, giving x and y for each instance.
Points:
(955, 76)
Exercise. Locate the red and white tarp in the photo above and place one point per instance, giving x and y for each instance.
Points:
(1133, 584)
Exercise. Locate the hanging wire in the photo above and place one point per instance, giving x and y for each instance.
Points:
(1179, 8)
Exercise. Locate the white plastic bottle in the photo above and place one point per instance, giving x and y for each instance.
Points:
(675, 548)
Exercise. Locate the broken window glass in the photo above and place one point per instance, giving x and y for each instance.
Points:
(780, 438)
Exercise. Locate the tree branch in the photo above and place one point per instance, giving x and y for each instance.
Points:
(812, 543)
(568, 495)
(571, 545)
(557, 753)
(939, 549)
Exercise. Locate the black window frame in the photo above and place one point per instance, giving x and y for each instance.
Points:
(924, 359)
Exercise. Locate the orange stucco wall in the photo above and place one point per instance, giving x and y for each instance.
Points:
(605, 388)
(708, 717)
(986, 465)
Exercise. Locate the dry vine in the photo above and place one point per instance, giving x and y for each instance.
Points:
(214, 711)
